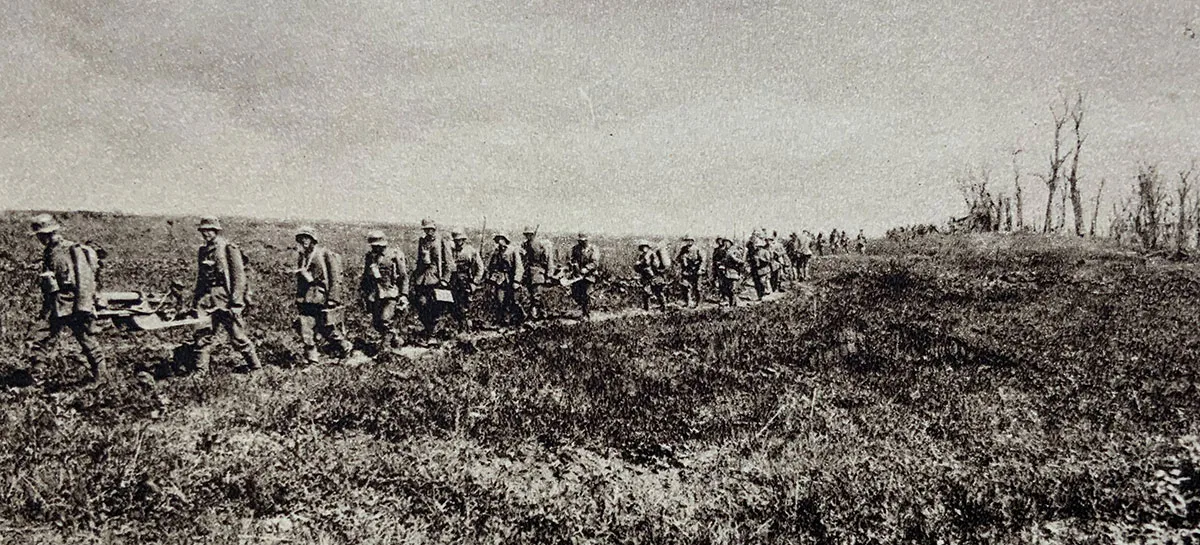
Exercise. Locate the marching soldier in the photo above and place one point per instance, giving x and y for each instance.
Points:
(318, 297)
(651, 269)
(760, 268)
(860, 243)
(434, 264)
(585, 260)
(504, 271)
(820, 244)
(538, 258)
(800, 252)
(384, 288)
(468, 273)
(779, 261)
(222, 294)
(691, 268)
(68, 282)
(727, 267)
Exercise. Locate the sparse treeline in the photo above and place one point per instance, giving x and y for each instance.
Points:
(1159, 212)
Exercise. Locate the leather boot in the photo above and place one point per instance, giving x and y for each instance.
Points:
(251, 357)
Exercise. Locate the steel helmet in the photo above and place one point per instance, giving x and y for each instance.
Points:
(376, 238)
(43, 224)
(209, 223)
(307, 231)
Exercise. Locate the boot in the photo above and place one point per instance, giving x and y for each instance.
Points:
(251, 357)
(99, 368)
(312, 356)
(200, 361)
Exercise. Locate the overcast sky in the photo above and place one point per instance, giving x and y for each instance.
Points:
(642, 117)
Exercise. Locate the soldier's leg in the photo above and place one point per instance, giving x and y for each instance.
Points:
(43, 341)
(383, 320)
(235, 327)
(334, 331)
(579, 292)
(535, 303)
(462, 308)
(660, 295)
(646, 296)
(203, 339)
(82, 327)
(307, 326)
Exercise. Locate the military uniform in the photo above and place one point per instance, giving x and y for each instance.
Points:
(651, 273)
(691, 268)
(222, 292)
(504, 271)
(727, 267)
(860, 243)
(468, 273)
(800, 252)
(779, 263)
(434, 264)
(760, 268)
(585, 262)
(318, 299)
(384, 288)
(538, 258)
(68, 285)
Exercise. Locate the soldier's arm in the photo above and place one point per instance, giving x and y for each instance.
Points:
(477, 268)
(237, 277)
(402, 272)
(549, 248)
(333, 279)
(518, 266)
(197, 292)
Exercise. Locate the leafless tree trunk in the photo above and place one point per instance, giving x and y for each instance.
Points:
(1096, 209)
(1057, 158)
(1020, 223)
(1073, 177)
(1147, 218)
(1008, 215)
(1181, 191)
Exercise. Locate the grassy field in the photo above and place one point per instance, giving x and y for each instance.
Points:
(956, 390)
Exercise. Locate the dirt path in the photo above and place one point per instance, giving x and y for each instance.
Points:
(414, 352)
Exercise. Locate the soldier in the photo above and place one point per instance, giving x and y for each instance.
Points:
(538, 258)
(318, 297)
(691, 268)
(384, 288)
(760, 268)
(504, 271)
(468, 273)
(800, 251)
(434, 264)
(820, 244)
(727, 267)
(585, 261)
(68, 282)
(650, 269)
(779, 261)
(222, 294)
(860, 243)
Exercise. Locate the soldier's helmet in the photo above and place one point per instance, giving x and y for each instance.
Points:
(376, 238)
(307, 231)
(688, 238)
(209, 223)
(428, 224)
(644, 244)
(528, 230)
(43, 224)
(457, 234)
(498, 236)
(582, 236)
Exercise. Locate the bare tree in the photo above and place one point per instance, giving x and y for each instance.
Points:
(1181, 191)
(1057, 158)
(1073, 177)
(1151, 204)
(1017, 183)
(1096, 209)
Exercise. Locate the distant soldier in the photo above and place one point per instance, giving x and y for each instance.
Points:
(384, 288)
(68, 282)
(221, 293)
(860, 243)
(800, 251)
(585, 262)
(820, 244)
(468, 273)
(651, 270)
(538, 258)
(727, 267)
(760, 268)
(435, 261)
(691, 268)
(779, 261)
(834, 241)
(504, 272)
(318, 297)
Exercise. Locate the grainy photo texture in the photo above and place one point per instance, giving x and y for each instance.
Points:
(722, 272)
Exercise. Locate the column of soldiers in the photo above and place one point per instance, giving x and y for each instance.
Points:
(445, 275)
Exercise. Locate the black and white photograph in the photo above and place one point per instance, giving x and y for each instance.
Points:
(601, 272)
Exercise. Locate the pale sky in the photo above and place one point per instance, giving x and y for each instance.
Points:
(625, 117)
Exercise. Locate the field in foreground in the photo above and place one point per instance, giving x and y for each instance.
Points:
(984, 391)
